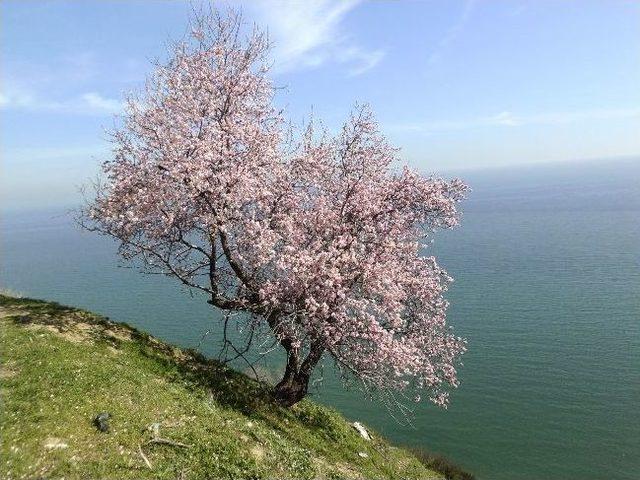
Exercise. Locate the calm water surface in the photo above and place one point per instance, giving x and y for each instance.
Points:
(547, 292)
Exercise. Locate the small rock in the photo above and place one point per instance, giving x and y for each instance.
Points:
(154, 428)
(23, 319)
(101, 422)
(363, 454)
(361, 430)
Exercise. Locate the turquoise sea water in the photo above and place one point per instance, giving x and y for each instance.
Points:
(547, 292)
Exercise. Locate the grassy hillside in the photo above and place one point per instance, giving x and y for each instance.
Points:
(174, 414)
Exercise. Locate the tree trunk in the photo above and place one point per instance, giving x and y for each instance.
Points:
(291, 389)
(295, 383)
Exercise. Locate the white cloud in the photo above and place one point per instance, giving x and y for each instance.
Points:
(90, 103)
(504, 118)
(98, 103)
(65, 83)
(309, 34)
(15, 100)
(361, 60)
(509, 120)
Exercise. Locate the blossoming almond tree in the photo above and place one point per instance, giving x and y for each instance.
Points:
(319, 242)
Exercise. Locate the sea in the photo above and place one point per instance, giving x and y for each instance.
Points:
(546, 264)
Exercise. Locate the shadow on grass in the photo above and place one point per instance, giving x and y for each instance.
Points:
(216, 382)
(226, 387)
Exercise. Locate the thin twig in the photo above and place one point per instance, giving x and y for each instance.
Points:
(144, 457)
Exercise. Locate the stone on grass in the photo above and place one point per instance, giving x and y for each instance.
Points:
(361, 430)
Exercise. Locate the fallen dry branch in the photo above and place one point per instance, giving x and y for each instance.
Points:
(144, 457)
(164, 441)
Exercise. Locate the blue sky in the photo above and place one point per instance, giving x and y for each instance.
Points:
(455, 84)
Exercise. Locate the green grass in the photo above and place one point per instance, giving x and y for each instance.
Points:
(62, 366)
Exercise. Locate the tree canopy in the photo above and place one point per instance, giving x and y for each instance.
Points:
(319, 238)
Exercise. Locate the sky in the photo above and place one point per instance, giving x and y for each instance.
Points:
(455, 84)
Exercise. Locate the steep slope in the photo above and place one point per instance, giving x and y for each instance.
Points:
(172, 413)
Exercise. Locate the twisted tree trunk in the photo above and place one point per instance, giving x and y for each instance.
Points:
(291, 389)
(295, 383)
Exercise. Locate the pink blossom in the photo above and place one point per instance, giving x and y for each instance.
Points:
(322, 238)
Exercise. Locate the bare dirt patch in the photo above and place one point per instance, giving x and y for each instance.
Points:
(8, 370)
(75, 326)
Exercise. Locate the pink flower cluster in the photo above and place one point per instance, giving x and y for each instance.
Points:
(321, 237)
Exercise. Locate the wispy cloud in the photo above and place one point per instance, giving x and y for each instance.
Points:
(309, 34)
(97, 103)
(510, 120)
(89, 103)
(452, 33)
(69, 83)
